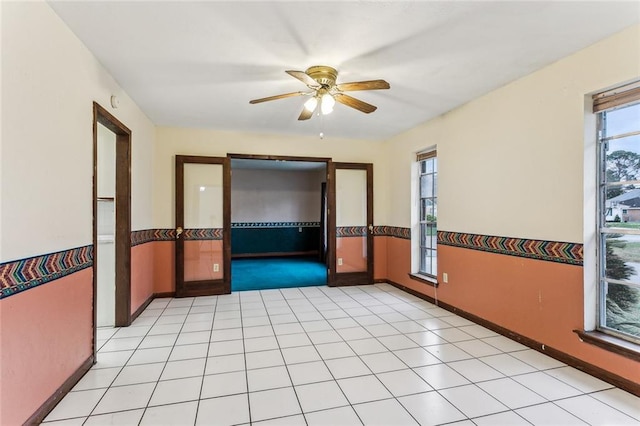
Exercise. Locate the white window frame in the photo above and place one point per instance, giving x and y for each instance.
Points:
(603, 103)
(416, 234)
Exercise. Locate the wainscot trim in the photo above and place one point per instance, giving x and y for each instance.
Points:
(48, 406)
(551, 251)
(20, 275)
(274, 254)
(614, 379)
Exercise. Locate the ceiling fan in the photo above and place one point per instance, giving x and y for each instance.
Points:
(321, 79)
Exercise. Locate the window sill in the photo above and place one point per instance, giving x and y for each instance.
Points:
(610, 343)
(432, 281)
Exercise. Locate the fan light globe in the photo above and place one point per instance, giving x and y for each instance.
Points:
(327, 104)
(311, 104)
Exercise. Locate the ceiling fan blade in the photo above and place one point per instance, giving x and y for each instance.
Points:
(305, 114)
(363, 85)
(273, 98)
(354, 103)
(304, 77)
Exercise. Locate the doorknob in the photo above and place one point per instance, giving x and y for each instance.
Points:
(371, 228)
(178, 231)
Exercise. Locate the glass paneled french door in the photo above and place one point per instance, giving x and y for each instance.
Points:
(203, 223)
(352, 216)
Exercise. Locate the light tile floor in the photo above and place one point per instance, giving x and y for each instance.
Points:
(370, 355)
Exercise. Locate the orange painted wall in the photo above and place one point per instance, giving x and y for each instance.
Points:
(538, 299)
(142, 261)
(46, 336)
(164, 269)
(380, 257)
(352, 250)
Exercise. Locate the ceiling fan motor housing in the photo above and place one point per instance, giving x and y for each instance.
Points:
(323, 74)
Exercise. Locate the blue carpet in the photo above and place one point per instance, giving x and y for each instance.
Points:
(261, 274)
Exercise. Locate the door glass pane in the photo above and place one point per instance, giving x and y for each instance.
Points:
(351, 220)
(203, 222)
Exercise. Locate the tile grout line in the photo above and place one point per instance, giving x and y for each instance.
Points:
(293, 387)
(206, 359)
(167, 360)
(244, 357)
(123, 366)
(333, 302)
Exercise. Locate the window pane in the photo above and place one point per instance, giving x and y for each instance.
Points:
(427, 212)
(623, 158)
(623, 120)
(623, 309)
(428, 165)
(428, 262)
(424, 236)
(426, 186)
(622, 207)
(432, 235)
(622, 257)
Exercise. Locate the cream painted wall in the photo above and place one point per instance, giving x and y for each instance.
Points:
(49, 80)
(172, 141)
(275, 195)
(511, 162)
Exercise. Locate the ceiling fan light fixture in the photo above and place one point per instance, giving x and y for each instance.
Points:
(311, 104)
(327, 104)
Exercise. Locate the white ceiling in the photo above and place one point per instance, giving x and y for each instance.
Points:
(197, 64)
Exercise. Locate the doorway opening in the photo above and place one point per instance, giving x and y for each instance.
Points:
(279, 226)
(111, 221)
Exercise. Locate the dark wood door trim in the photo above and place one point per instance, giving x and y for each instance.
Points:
(331, 217)
(279, 158)
(322, 246)
(205, 287)
(226, 223)
(122, 200)
(354, 278)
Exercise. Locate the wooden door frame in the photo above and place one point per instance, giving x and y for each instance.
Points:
(122, 237)
(213, 287)
(351, 278)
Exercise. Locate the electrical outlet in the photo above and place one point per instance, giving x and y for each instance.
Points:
(339, 261)
(445, 277)
(216, 267)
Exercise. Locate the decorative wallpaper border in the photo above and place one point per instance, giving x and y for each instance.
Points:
(202, 234)
(150, 235)
(552, 251)
(23, 274)
(274, 224)
(392, 231)
(351, 231)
